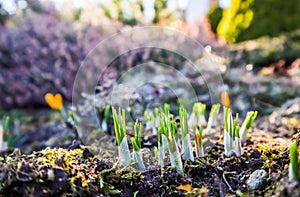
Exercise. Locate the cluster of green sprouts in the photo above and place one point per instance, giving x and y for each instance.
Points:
(177, 138)
(233, 131)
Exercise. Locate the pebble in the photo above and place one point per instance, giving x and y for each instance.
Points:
(257, 179)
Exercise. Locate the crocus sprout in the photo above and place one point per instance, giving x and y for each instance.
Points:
(168, 134)
(198, 141)
(137, 144)
(229, 128)
(120, 132)
(197, 116)
(250, 117)
(162, 138)
(238, 144)
(294, 162)
(187, 153)
(175, 156)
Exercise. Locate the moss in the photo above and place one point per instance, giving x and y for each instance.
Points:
(272, 154)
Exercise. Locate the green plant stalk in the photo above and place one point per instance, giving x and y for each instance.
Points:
(168, 132)
(294, 162)
(238, 144)
(162, 139)
(137, 139)
(213, 116)
(228, 132)
(73, 118)
(171, 136)
(197, 116)
(120, 132)
(187, 153)
(160, 148)
(175, 156)
(119, 124)
(250, 117)
(167, 109)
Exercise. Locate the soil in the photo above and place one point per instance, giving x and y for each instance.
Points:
(74, 171)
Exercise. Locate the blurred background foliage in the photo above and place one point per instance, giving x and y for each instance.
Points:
(248, 19)
(42, 42)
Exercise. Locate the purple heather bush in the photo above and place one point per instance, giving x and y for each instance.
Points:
(40, 54)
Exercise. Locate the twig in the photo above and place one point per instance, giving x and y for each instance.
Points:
(225, 173)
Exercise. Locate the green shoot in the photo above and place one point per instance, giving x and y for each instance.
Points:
(183, 122)
(174, 130)
(213, 115)
(294, 162)
(120, 131)
(163, 131)
(198, 115)
(137, 139)
(73, 118)
(175, 156)
(250, 117)
(237, 130)
(187, 152)
(199, 109)
(168, 133)
(137, 144)
(238, 144)
(229, 129)
(167, 109)
(119, 124)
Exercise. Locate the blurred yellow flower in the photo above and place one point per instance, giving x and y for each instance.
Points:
(54, 101)
(225, 99)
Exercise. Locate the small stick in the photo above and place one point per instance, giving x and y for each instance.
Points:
(225, 180)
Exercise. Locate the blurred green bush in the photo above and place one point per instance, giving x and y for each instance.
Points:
(248, 19)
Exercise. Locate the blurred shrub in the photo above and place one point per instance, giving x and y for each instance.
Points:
(215, 15)
(248, 19)
(41, 54)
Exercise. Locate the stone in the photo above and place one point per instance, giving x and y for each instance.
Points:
(257, 179)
